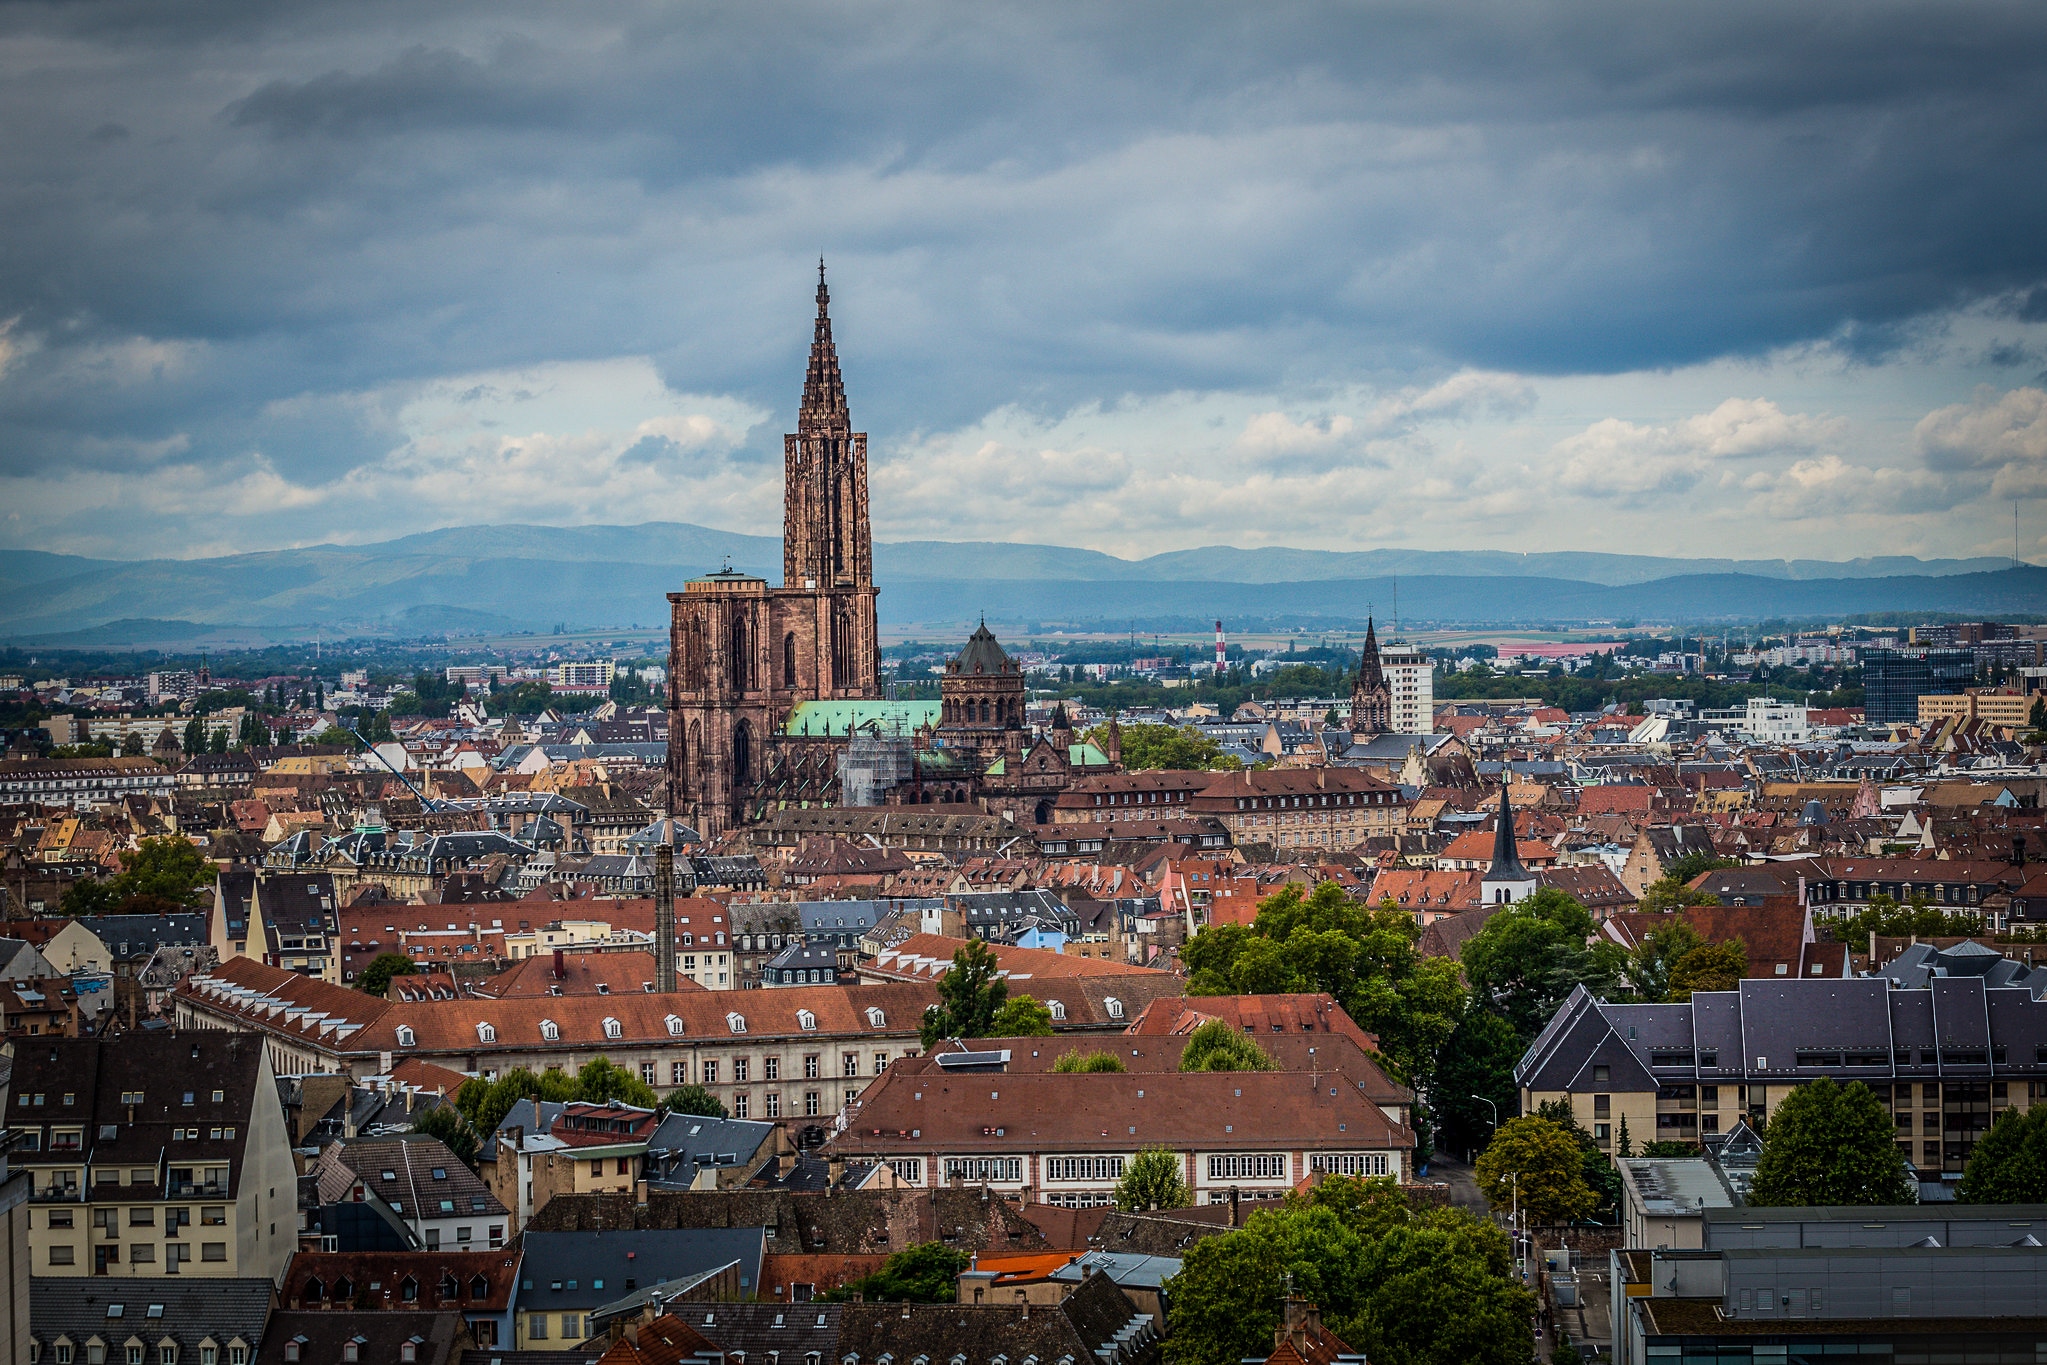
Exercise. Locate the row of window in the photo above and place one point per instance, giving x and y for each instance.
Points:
(1083, 1168)
(1327, 799)
(175, 1254)
(64, 1352)
(1248, 1166)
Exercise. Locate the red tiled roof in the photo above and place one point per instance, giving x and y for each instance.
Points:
(499, 1270)
(926, 957)
(582, 973)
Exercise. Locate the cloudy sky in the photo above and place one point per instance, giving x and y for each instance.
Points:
(1693, 278)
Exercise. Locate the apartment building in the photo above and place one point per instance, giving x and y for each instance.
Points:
(286, 919)
(1945, 1057)
(154, 1154)
(440, 1199)
(786, 1055)
(1328, 809)
(1411, 683)
(1043, 1137)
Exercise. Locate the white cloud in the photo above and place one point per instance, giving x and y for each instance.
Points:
(1619, 459)
(2002, 434)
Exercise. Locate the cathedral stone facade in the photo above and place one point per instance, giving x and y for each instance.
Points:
(743, 654)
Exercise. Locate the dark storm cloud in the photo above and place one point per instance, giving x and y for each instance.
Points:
(1039, 203)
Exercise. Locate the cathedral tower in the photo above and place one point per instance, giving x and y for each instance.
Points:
(741, 654)
(1371, 700)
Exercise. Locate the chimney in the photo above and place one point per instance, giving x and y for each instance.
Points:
(1236, 1207)
(836, 1171)
(664, 913)
(2018, 850)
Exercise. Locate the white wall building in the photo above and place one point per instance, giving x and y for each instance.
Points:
(1776, 722)
(1411, 677)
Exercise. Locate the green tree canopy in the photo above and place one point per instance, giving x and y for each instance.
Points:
(1889, 919)
(1411, 1286)
(1648, 966)
(1021, 1016)
(1215, 1046)
(446, 1123)
(1532, 954)
(1536, 1165)
(376, 978)
(485, 1103)
(1830, 1144)
(1153, 1180)
(601, 1080)
(1692, 864)
(1668, 894)
(195, 736)
(969, 995)
(1074, 1061)
(1478, 1060)
(169, 868)
(694, 1099)
(1709, 967)
(928, 1272)
(1147, 747)
(1366, 958)
(2009, 1166)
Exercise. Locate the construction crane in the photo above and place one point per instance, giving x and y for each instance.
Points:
(426, 803)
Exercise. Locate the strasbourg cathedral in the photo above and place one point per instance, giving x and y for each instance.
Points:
(775, 695)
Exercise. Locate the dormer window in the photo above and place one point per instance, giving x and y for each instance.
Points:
(550, 1031)
(875, 1018)
(406, 1037)
(1058, 1009)
(806, 1021)
(487, 1033)
(1113, 1005)
(674, 1024)
(736, 1022)
(613, 1029)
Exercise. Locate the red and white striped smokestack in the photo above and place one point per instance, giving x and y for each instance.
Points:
(1218, 649)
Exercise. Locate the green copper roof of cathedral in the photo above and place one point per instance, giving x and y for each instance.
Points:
(825, 718)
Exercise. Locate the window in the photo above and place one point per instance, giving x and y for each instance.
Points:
(406, 1037)
(880, 1062)
(810, 1104)
(771, 1068)
(849, 1064)
(550, 1031)
(537, 1330)
(1112, 1005)
(213, 1215)
(678, 1073)
(810, 1066)
(1350, 1163)
(674, 1023)
(486, 1033)
(213, 1251)
(980, 1169)
(875, 1018)
(572, 1326)
(613, 1028)
(908, 1169)
(774, 1105)
(710, 1072)
(739, 1070)
(736, 1022)
(1248, 1166)
(647, 1072)
(1058, 1010)
(740, 1105)
(1084, 1168)
(62, 1255)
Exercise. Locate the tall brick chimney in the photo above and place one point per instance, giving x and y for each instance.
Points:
(664, 915)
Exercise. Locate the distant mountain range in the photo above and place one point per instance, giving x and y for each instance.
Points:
(496, 578)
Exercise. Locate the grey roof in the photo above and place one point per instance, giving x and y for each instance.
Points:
(582, 1271)
(984, 655)
(685, 1142)
(758, 1328)
(663, 1290)
(841, 917)
(1921, 964)
(1124, 1267)
(135, 938)
(802, 957)
(186, 1308)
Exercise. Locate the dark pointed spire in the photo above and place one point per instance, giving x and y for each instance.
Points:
(824, 388)
(1370, 672)
(1506, 856)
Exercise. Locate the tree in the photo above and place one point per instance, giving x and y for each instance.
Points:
(928, 1272)
(1667, 895)
(376, 978)
(1648, 969)
(446, 1123)
(1532, 954)
(1692, 864)
(694, 1099)
(216, 739)
(968, 996)
(1709, 967)
(1535, 1164)
(169, 868)
(1889, 919)
(600, 1080)
(1215, 1046)
(133, 747)
(1366, 958)
(1074, 1061)
(1830, 1144)
(195, 736)
(1441, 1293)
(485, 1103)
(1153, 1180)
(1477, 1061)
(1147, 747)
(1021, 1017)
(2009, 1166)
(1667, 1148)
(1602, 1177)
(1625, 1144)
(1226, 1298)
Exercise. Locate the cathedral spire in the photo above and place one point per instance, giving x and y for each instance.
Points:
(824, 410)
(1506, 855)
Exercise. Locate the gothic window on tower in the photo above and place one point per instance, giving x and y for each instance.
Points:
(789, 659)
(737, 652)
(742, 752)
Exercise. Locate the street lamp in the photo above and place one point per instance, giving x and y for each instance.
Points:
(1490, 1105)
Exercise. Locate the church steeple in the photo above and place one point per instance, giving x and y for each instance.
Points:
(1371, 699)
(1506, 856)
(824, 411)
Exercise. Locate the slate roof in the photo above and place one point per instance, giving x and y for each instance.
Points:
(423, 1179)
(756, 1329)
(135, 938)
(495, 1273)
(1096, 1322)
(186, 1308)
(437, 1337)
(851, 1222)
(579, 1272)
